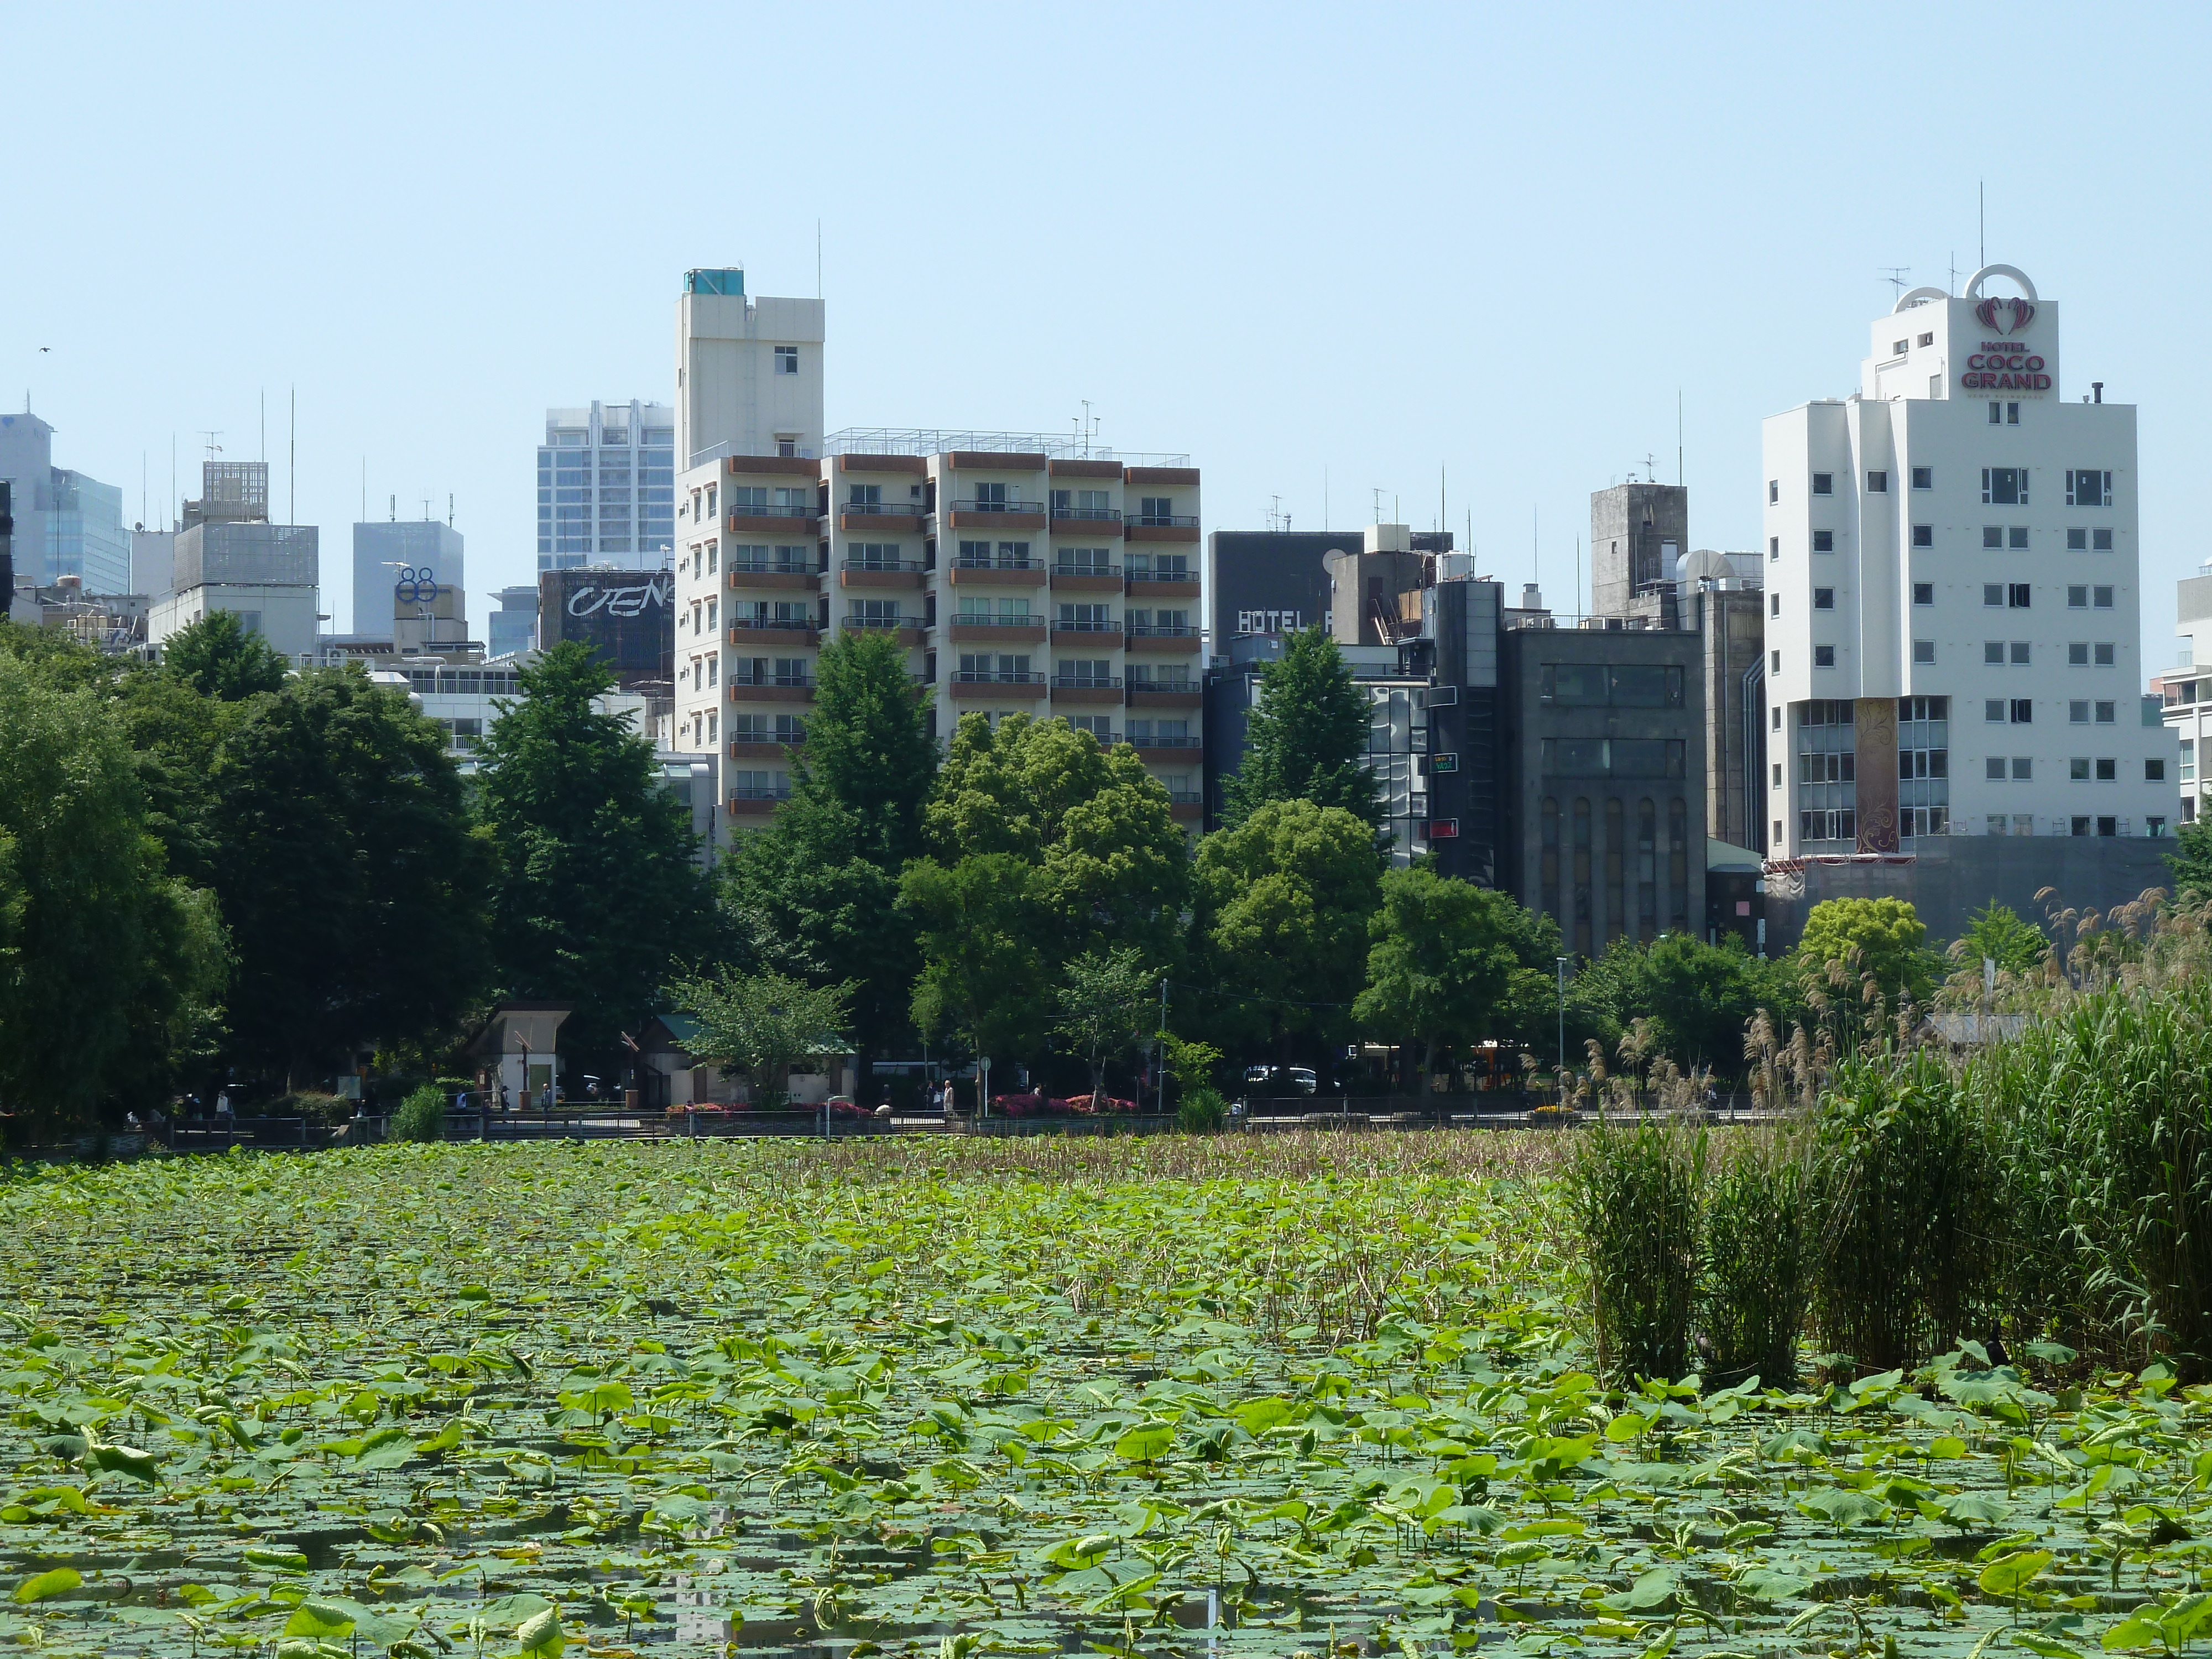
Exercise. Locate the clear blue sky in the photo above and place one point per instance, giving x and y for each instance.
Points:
(1364, 242)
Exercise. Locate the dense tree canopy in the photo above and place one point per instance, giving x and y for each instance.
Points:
(219, 658)
(598, 899)
(355, 889)
(1883, 936)
(1308, 735)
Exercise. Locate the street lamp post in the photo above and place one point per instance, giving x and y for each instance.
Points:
(1562, 962)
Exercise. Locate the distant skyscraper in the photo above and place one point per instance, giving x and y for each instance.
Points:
(66, 523)
(514, 625)
(380, 550)
(606, 486)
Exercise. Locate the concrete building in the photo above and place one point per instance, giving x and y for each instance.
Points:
(1952, 594)
(2183, 695)
(605, 487)
(1277, 581)
(1021, 573)
(153, 561)
(416, 550)
(267, 575)
(513, 628)
(68, 523)
(1639, 533)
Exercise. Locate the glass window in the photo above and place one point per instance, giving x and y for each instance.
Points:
(1823, 483)
(2077, 539)
(2023, 768)
(1993, 593)
(1924, 592)
(1924, 477)
(2105, 709)
(2004, 486)
(2103, 600)
(1923, 652)
(1924, 535)
(1824, 541)
(2077, 711)
(2101, 541)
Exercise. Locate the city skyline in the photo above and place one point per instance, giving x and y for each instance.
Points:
(1495, 365)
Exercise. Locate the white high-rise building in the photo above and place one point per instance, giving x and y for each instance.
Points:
(1952, 630)
(606, 486)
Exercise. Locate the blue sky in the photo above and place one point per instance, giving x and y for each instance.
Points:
(1320, 248)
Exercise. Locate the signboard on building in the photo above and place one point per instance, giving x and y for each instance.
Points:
(627, 617)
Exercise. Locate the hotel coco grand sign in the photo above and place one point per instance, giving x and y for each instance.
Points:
(2004, 361)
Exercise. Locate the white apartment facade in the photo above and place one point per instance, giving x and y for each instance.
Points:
(1953, 591)
(606, 488)
(1021, 573)
(2187, 695)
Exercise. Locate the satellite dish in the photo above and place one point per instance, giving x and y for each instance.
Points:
(1705, 565)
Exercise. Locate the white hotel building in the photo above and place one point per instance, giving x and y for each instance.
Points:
(1020, 574)
(1952, 588)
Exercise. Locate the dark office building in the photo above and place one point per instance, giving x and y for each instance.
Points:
(1461, 624)
(1603, 796)
(1271, 582)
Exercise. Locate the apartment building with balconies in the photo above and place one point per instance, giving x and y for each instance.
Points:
(1018, 580)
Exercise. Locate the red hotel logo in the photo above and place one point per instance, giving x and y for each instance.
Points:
(2005, 316)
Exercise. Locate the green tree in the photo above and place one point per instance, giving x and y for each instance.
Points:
(1441, 969)
(1051, 847)
(1883, 937)
(218, 658)
(1283, 902)
(1999, 932)
(1308, 735)
(2191, 860)
(355, 887)
(818, 888)
(110, 967)
(599, 900)
(763, 1023)
(1104, 999)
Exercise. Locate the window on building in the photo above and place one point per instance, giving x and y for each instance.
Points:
(2103, 597)
(1924, 477)
(1824, 598)
(1993, 654)
(1774, 604)
(1997, 414)
(1773, 492)
(2019, 595)
(2108, 770)
(1993, 593)
(2077, 654)
(1924, 535)
(1993, 768)
(2106, 653)
(1776, 712)
(786, 359)
(2021, 653)
(2077, 539)
(1993, 710)
(2077, 711)
(2077, 768)
(2189, 760)
(2088, 486)
(2154, 770)
(2023, 768)
(1923, 652)
(2101, 541)
(1824, 656)
(1774, 662)
(2108, 826)
(2012, 414)
(1877, 483)
(1774, 547)
(1993, 535)
(1823, 483)
(2077, 597)
(1928, 339)
(2022, 710)
(2105, 709)
(1898, 348)
(1824, 541)
(2016, 538)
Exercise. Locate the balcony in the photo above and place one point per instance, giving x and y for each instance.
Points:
(1167, 747)
(908, 574)
(770, 520)
(789, 578)
(998, 631)
(1162, 527)
(1076, 519)
(765, 748)
(1003, 573)
(1173, 638)
(1087, 578)
(764, 631)
(998, 515)
(909, 629)
(880, 518)
(979, 684)
(1107, 635)
(772, 688)
(1164, 694)
(1170, 584)
(1087, 687)
(757, 801)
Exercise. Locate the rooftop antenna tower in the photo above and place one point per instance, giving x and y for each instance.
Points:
(1896, 280)
(1678, 445)
(1982, 218)
(214, 448)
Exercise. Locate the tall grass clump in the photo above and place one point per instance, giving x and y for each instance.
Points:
(1758, 1259)
(1635, 1193)
(2104, 1113)
(421, 1116)
(1907, 1192)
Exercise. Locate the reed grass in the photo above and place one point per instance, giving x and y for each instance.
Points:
(1758, 1259)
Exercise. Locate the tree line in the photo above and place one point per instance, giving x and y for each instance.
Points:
(217, 870)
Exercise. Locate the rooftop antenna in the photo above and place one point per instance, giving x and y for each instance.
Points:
(214, 448)
(265, 426)
(1952, 261)
(1896, 280)
(1982, 217)
(394, 510)
(426, 509)
(1324, 500)
(1090, 428)
(292, 465)
(1651, 468)
(449, 509)
(1377, 490)
(1677, 443)
(174, 521)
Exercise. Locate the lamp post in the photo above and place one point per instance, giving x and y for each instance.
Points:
(1562, 962)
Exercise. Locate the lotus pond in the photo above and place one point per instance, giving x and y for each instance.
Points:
(1226, 1396)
